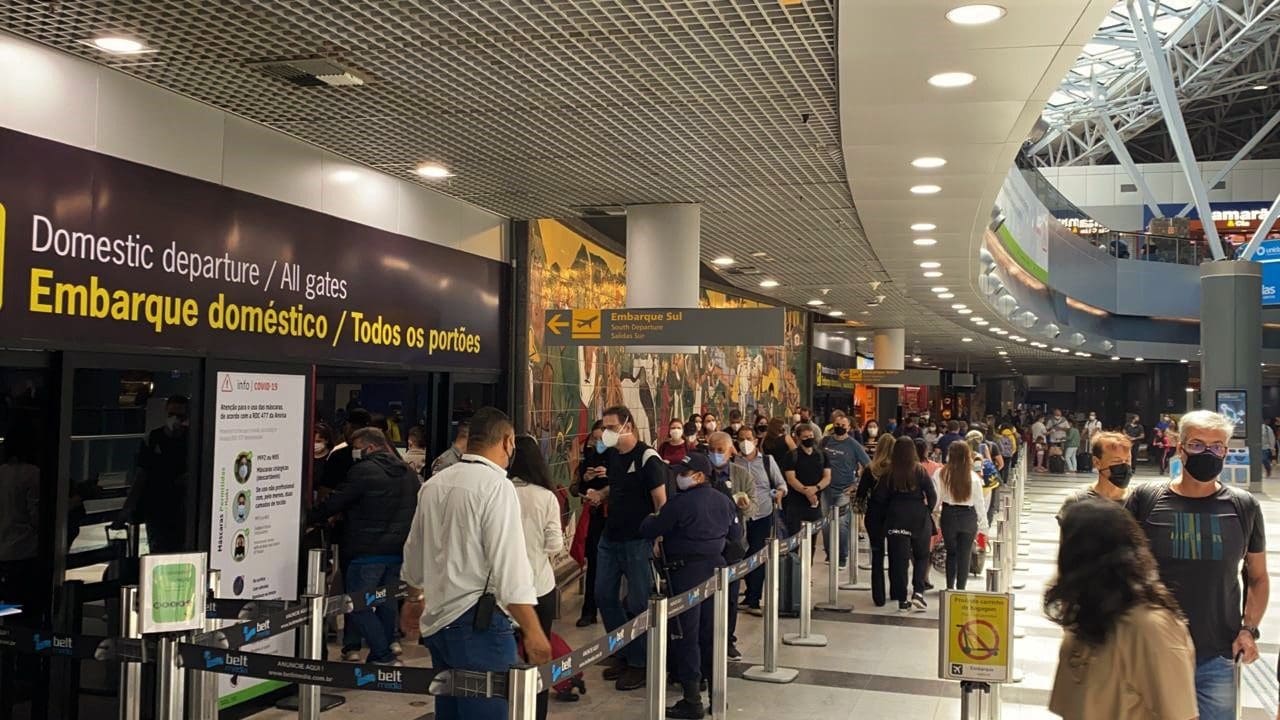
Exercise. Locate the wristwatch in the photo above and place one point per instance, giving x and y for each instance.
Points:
(1253, 630)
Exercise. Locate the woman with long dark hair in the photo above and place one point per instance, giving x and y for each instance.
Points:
(543, 537)
(1127, 654)
(777, 443)
(908, 497)
(964, 514)
(873, 513)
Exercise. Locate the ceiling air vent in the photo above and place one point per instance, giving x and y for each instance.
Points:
(311, 72)
(743, 270)
(1128, 188)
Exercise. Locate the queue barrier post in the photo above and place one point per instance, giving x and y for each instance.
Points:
(316, 584)
(972, 695)
(720, 645)
(523, 683)
(855, 551)
(769, 671)
(656, 660)
(312, 648)
(130, 672)
(204, 685)
(805, 638)
(833, 562)
(994, 583)
(169, 681)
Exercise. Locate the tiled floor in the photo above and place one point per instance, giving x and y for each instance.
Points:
(878, 663)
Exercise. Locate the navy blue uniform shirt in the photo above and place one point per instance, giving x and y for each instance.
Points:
(696, 522)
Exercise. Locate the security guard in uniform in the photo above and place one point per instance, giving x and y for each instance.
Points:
(694, 527)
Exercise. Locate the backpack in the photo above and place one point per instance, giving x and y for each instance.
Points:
(1006, 446)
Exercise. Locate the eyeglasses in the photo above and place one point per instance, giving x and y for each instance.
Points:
(1195, 447)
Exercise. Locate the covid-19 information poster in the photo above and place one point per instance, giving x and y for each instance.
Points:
(259, 429)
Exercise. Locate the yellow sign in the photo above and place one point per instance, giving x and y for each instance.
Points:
(556, 323)
(975, 637)
(586, 324)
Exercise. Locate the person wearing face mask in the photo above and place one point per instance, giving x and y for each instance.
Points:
(765, 495)
(468, 571)
(808, 473)
(592, 474)
(158, 493)
(321, 446)
(931, 435)
(695, 526)
(735, 422)
(637, 487)
(1110, 452)
(674, 446)
(416, 453)
(1200, 530)
(846, 458)
(377, 501)
(1092, 427)
(870, 434)
(734, 481)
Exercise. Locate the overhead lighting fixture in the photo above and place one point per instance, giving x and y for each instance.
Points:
(915, 358)
(1017, 338)
(434, 171)
(924, 242)
(930, 264)
(1137, 359)
(928, 163)
(959, 306)
(946, 296)
(983, 323)
(759, 254)
(117, 45)
(966, 311)
(1259, 87)
(1082, 354)
(932, 274)
(815, 303)
(1000, 331)
(1184, 361)
(768, 283)
(938, 290)
(966, 339)
(1002, 353)
(1115, 357)
(924, 227)
(723, 261)
(861, 338)
(952, 79)
(976, 14)
(925, 189)
(836, 313)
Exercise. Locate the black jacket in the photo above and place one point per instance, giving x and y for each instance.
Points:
(378, 500)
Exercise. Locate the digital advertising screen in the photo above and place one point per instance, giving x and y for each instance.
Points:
(1231, 403)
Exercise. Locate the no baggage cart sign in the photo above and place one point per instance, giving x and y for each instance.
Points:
(975, 637)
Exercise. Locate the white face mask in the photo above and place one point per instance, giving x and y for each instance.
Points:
(357, 454)
(684, 482)
(873, 431)
(243, 471)
(320, 448)
(710, 426)
(748, 447)
(677, 434)
(610, 437)
(795, 418)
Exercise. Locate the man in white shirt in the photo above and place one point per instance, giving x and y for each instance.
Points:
(471, 567)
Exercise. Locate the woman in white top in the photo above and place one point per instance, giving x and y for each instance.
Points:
(543, 536)
(964, 512)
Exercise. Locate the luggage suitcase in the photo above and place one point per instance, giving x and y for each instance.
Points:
(978, 558)
(1084, 462)
(789, 585)
(564, 690)
(1057, 464)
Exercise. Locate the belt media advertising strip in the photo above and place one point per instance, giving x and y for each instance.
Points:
(748, 564)
(352, 676)
(242, 609)
(236, 636)
(340, 604)
(594, 651)
(692, 597)
(34, 641)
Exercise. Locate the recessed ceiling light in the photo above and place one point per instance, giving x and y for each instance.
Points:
(924, 227)
(966, 339)
(928, 163)
(1017, 338)
(946, 296)
(1000, 331)
(952, 79)
(119, 45)
(1184, 361)
(759, 254)
(925, 189)
(768, 283)
(938, 290)
(915, 358)
(1002, 352)
(723, 261)
(924, 242)
(975, 319)
(434, 171)
(1259, 87)
(983, 323)
(965, 311)
(836, 313)
(930, 264)
(865, 312)
(1138, 359)
(815, 303)
(959, 306)
(933, 274)
(977, 14)
(1082, 354)
(1115, 357)
(861, 338)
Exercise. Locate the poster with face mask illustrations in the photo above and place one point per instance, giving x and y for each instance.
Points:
(259, 429)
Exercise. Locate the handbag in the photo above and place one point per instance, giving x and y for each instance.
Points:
(578, 548)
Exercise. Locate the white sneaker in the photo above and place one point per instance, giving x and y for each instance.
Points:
(351, 656)
(397, 649)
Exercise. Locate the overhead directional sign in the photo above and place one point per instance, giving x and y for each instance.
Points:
(830, 377)
(665, 326)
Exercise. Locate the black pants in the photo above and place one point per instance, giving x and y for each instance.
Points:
(959, 528)
(876, 537)
(594, 529)
(907, 547)
(546, 612)
(689, 650)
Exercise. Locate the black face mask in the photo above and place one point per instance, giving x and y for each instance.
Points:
(807, 442)
(1120, 474)
(761, 430)
(1205, 466)
(840, 430)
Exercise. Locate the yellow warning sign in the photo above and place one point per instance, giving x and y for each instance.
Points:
(975, 637)
(586, 324)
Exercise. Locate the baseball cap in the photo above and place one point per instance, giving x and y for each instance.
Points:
(695, 462)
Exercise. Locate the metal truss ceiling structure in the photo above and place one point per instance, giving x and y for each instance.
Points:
(1219, 51)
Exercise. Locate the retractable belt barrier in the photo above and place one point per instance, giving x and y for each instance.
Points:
(36, 641)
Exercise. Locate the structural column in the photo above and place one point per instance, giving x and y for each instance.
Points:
(1231, 344)
(663, 262)
(889, 346)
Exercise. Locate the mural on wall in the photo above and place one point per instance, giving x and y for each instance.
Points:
(567, 388)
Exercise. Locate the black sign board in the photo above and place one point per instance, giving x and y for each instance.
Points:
(666, 326)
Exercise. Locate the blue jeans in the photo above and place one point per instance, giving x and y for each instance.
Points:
(629, 559)
(757, 538)
(836, 496)
(1216, 689)
(460, 646)
(377, 625)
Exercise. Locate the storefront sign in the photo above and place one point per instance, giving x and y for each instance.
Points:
(975, 637)
(171, 593)
(666, 326)
(97, 249)
(847, 378)
(258, 433)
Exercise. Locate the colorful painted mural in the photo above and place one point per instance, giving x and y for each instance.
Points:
(565, 389)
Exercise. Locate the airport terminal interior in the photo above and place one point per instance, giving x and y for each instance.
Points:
(526, 359)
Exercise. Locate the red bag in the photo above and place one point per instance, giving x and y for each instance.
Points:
(559, 648)
(578, 549)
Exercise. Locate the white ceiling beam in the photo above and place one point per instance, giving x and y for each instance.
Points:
(1235, 159)
(1267, 223)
